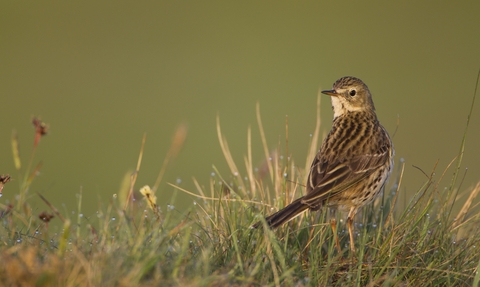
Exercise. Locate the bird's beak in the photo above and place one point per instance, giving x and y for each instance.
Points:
(332, 93)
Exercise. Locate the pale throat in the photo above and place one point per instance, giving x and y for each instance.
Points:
(340, 107)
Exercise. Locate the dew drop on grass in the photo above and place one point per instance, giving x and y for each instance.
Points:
(179, 180)
(212, 174)
(194, 203)
(113, 218)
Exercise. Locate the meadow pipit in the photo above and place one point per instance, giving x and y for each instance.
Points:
(353, 164)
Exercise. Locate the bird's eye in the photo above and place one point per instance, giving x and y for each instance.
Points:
(353, 93)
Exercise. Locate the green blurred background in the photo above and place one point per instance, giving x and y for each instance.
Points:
(103, 73)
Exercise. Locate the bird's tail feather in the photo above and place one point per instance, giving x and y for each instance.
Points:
(284, 215)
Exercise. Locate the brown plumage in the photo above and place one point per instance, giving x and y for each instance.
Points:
(353, 163)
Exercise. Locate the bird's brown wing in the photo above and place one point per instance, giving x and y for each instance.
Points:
(329, 178)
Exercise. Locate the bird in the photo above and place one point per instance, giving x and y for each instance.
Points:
(353, 164)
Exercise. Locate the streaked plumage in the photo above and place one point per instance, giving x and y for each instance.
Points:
(353, 163)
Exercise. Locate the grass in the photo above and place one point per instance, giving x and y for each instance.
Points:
(426, 242)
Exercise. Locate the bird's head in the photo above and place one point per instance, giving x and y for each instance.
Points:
(350, 94)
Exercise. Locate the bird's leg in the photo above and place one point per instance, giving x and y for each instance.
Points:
(333, 223)
(350, 231)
